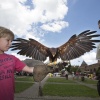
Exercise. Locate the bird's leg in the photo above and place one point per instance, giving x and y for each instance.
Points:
(40, 90)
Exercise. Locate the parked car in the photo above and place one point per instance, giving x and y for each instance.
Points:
(57, 74)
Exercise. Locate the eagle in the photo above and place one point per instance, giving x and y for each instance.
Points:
(76, 46)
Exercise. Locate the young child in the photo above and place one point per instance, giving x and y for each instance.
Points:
(8, 65)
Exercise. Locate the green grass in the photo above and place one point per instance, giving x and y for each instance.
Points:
(27, 78)
(21, 86)
(68, 89)
(60, 80)
(90, 81)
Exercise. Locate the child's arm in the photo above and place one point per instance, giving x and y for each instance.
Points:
(28, 69)
(39, 71)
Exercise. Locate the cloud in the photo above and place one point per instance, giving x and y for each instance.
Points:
(49, 10)
(55, 26)
(17, 16)
(90, 58)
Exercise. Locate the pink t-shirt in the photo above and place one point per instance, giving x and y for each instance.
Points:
(8, 65)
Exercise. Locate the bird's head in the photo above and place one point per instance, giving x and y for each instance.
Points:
(53, 51)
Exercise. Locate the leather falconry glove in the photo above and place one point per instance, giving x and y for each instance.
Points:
(40, 72)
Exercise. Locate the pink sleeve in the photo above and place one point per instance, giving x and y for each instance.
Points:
(19, 65)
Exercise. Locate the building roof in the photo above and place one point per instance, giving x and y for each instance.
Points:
(84, 63)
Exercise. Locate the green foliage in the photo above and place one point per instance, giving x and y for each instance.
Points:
(69, 68)
(74, 69)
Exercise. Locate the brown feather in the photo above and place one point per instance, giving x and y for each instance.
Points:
(73, 48)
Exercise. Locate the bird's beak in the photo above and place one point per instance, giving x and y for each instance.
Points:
(53, 55)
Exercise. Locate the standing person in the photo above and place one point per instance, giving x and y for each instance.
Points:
(73, 75)
(9, 64)
(66, 74)
(77, 75)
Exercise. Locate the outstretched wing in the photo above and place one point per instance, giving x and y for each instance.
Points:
(30, 48)
(78, 45)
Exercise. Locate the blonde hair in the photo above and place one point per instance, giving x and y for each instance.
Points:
(6, 32)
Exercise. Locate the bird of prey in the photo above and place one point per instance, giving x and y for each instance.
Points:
(76, 46)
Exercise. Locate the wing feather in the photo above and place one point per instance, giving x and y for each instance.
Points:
(78, 45)
(75, 47)
(30, 48)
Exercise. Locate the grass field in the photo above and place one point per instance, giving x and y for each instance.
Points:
(90, 81)
(25, 78)
(64, 88)
(71, 88)
(23, 83)
(21, 86)
(60, 80)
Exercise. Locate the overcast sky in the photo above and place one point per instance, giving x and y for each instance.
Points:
(51, 22)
